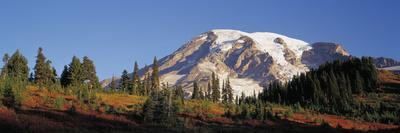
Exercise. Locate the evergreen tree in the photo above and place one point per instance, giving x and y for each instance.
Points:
(135, 85)
(89, 74)
(201, 94)
(224, 93)
(195, 94)
(113, 84)
(179, 93)
(357, 83)
(216, 95)
(155, 81)
(4, 70)
(124, 81)
(75, 72)
(209, 91)
(229, 91)
(17, 67)
(64, 79)
(9, 96)
(43, 70)
(31, 78)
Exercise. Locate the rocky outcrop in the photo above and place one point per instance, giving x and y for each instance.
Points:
(323, 52)
(382, 62)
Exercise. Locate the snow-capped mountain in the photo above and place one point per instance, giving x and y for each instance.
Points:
(250, 60)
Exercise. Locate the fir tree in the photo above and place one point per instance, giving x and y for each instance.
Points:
(135, 85)
(229, 91)
(209, 91)
(113, 84)
(224, 93)
(195, 94)
(124, 81)
(155, 82)
(4, 70)
(216, 95)
(64, 79)
(17, 67)
(75, 72)
(43, 70)
(201, 94)
(89, 73)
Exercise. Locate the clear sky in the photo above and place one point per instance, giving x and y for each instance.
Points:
(115, 33)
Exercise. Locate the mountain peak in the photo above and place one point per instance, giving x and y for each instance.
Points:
(250, 60)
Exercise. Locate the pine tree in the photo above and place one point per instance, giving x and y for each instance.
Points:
(179, 94)
(9, 96)
(64, 79)
(201, 94)
(43, 70)
(209, 91)
(357, 83)
(124, 81)
(224, 93)
(195, 94)
(75, 71)
(155, 82)
(4, 70)
(17, 67)
(229, 91)
(216, 95)
(135, 85)
(113, 84)
(89, 74)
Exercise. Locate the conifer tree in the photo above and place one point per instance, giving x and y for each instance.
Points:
(229, 91)
(17, 67)
(75, 71)
(124, 81)
(179, 92)
(89, 74)
(43, 70)
(195, 94)
(224, 93)
(201, 94)
(4, 70)
(64, 79)
(209, 91)
(113, 84)
(216, 94)
(135, 85)
(155, 82)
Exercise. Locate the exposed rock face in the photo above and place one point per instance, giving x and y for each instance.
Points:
(250, 60)
(382, 62)
(323, 52)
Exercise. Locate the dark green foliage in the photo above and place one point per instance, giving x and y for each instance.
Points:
(64, 77)
(160, 108)
(44, 73)
(75, 72)
(124, 82)
(216, 94)
(135, 87)
(89, 75)
(196, 91)
(227, 92)
(17, 67)
(4, 70)
(8, 96)
(155, 81)
(331, 86)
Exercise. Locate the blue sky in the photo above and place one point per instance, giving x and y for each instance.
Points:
(115, 33)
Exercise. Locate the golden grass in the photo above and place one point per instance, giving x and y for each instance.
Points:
(203, 107)
(123, 101)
